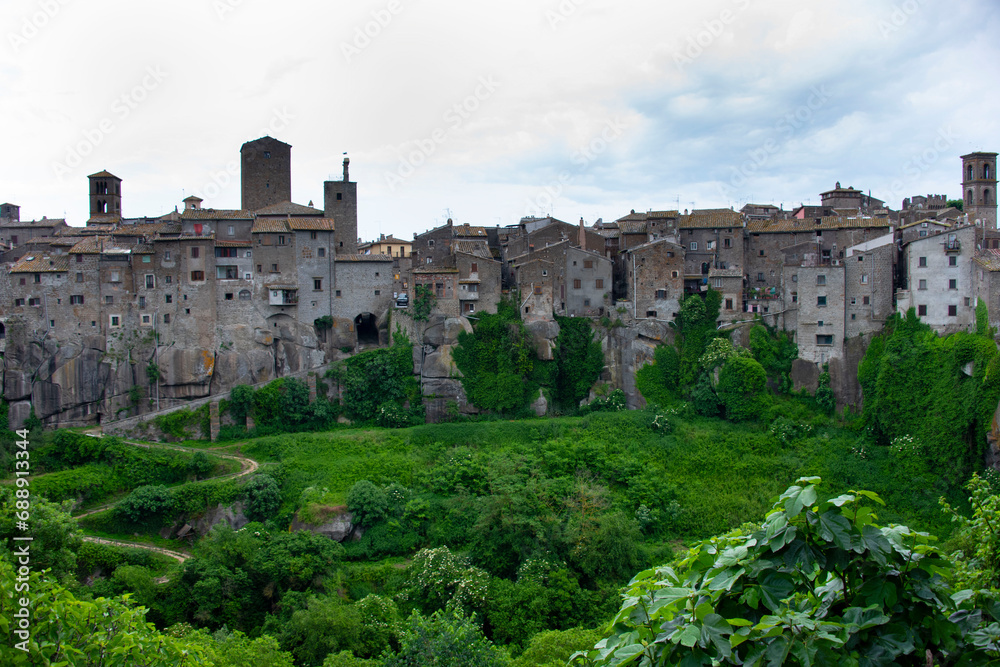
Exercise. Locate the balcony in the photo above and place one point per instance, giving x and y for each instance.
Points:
(284, 297)
(952, 245)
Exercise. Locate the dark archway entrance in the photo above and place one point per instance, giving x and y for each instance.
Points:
(367, 327)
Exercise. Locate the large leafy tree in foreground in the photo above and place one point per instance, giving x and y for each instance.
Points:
(818, 583)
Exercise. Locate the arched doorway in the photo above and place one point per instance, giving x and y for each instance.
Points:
(366, 325)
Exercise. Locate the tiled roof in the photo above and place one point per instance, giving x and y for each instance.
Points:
(432, 270)
(87, 246)
(475, 248)
(104, 220)
(36, 264)
(288, 208)
(311, 224)
(988, 259)
(609, 233)
(725, 273)
(143, 249)
(927, 220)
(633, 226)
(631, 216)
(711, 219)
(807, 225)
(48, 222)
(215, 214)
(288, 286)
(145, 229)
(363, 258)
(663, 214)
(232, 244)
(466, 230)
(103, 174)
(269, 226)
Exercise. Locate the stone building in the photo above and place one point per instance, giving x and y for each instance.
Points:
(869, 285)
(939, 279)
(979, 183)
(265, 173)
(340, 203)
(386, 245)
(821, 308)
(713, 240)
(655, 279)
(986, 278)
(565, 280)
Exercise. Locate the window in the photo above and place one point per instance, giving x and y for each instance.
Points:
(340, 196)
(195, 252)
(146, 259)
(760, 277)
(545, 272)
(953, 261)
(861, 258)
(473, 287)
(576, 283)
(24, 281)
(18, 302)
(338, 294)
(231, 230)
(726, 244)
(923, 232)
(79, 278)
(586, 303)
(474, 268)
(197, 276)
(922, 284)
(142, 302)
(599, 283)
(79, 259)
(761, 253)
(166, 256)
(952, 311)
(864, 278)
(37, 278)
(147, 320)
(259, 268)
(824, 339)
(166, 318)
(227, 273)
(116, 277)
(281, 239)
(795, 297)
(150, 281)
(710, 245)
(108, 300)
(169, 298)
(229, 296)
(77, 300)
(866, 300)
(244, 295)
(922, 261)
(820, 279)
(821, 302)
(650, 313)
(321, 252)
(953, 284)
(717, 283)
(588, 264)
(274, 268)
(187, 311)
(318, 284)
(169, 279)
(34, 301)
(674, 274)
(854, 301)
(694, 245)
(820, 323)
(968, 302)
(378, 292)
(116, 320)
(795, 278)
(661, 294)
(729, 304)
(226, 252)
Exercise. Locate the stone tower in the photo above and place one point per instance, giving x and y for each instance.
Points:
(979, 187)
(266, 173)
(10, 212)
(105, 195)
(340, 202)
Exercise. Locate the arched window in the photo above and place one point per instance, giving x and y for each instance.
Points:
(244, 295)
(968, 197)
(3, 331)
(986, 197)
(986, 172)
(970, 173)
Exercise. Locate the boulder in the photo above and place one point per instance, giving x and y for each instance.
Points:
(653, 330)
(339, 527)
(232, 516)
(541, 405)
(805, 376)
(453, 326)
(440, 364)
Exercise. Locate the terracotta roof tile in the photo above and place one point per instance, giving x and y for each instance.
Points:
(311, 224)
(215, 214)
(42, 264)
(288, 208)
(807, 225)
(711, 219)
(363, 258)
(232, 244)
(989, 260)
(475, 248)
(633, 226)
(466, 230)
(270, 226)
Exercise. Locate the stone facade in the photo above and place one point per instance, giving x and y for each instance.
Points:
(655, 279)
(266, 173)
(939, 274)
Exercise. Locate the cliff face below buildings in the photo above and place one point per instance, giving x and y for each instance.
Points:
(92, 379)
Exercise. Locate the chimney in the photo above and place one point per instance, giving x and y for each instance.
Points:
(347, 164)
(583, 236)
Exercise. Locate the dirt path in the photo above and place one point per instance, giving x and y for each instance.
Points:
(137, 545)
(248, 467)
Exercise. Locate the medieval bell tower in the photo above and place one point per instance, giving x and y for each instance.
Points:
(979, 188)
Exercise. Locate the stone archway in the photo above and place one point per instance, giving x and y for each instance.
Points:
(366, 325)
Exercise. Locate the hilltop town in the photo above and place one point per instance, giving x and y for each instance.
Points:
(189, 304)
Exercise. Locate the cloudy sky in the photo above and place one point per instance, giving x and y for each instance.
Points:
(491, 111)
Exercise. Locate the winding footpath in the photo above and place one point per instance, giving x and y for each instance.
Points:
(248, 467)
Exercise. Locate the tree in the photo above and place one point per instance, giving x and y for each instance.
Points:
(743, 389)
(579, 361)
(957, 203)
(263, 498)
(496, 362)
(445, 640)
(818, 583)
(367, 504)
(145, 503)
(55, 533)
(66, 631)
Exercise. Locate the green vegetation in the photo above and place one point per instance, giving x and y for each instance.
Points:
(579, 362)
(818, 583)
(397, 401)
